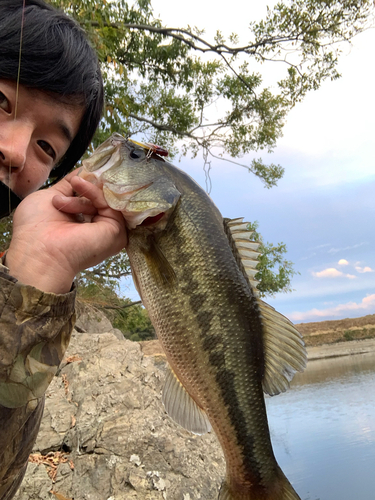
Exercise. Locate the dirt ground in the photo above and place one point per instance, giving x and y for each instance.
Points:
(314, 334)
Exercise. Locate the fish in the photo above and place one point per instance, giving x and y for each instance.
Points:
(195, 273)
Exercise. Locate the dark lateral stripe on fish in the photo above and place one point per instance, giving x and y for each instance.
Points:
(245, 440)
(211, 342)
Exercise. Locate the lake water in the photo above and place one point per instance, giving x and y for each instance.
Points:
(323, 429)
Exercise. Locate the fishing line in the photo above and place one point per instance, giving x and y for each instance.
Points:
(16, 102)
(19, 57)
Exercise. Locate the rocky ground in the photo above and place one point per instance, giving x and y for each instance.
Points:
(105, 434)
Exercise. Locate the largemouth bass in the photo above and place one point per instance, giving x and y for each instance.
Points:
(195, 271)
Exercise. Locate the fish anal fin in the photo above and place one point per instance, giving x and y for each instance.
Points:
(284, 350)
(182, 408)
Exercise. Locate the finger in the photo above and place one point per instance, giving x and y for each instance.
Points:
(88, 190)
(110, 237)
(74, 205)
(74, 173)
(64, 186)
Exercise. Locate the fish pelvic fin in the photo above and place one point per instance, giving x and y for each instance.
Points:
(181, 407)
(281, 489)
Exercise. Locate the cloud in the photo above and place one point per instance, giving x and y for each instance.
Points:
(335, 250)
(331, 272)
(320, 246)
(367, 305)
(343, 262)
(308, 256)
(365, 269)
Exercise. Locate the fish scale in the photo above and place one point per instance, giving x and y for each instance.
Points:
(214, 330)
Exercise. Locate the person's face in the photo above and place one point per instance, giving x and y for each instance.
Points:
(35, 133)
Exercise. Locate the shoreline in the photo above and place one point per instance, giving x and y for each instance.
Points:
(322, 351)
(337, 349)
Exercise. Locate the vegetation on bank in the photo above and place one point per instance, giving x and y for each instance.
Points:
(131, 318)
(343, 330)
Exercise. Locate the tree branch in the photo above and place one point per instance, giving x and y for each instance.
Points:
(165, 128)
(125, 306)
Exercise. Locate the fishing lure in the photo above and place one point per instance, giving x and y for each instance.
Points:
(151, 148)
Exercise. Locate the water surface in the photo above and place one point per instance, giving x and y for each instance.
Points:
(323, 429)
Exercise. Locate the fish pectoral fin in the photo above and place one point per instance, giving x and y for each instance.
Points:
(284, 350)
(136, 282)
(158, 264)
(182, 408)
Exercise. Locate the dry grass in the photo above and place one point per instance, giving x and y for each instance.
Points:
(329, 332)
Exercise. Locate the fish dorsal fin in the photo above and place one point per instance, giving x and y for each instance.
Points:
(181, 407)
(284, 350)
(244, 249)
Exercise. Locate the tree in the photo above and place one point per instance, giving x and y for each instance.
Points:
(274, 271)
(161, 82)
(129, 317)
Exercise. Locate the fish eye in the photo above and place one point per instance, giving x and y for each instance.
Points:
(136, 154)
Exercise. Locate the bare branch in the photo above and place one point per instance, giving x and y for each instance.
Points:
(165, 128)
(125, 306)
(229, 161)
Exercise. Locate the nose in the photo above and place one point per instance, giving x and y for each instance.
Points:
(14, 143)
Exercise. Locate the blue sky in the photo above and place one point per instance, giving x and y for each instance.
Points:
(324, 207)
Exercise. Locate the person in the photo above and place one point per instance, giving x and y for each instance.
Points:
(51, 99)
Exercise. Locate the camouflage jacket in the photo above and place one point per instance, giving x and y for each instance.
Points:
(35, 329)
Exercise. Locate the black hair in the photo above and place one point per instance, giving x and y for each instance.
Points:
(56, 58)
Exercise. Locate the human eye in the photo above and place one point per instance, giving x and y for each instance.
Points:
(4, 103)
(48, 149)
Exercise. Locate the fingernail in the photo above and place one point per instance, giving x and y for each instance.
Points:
(64, 198)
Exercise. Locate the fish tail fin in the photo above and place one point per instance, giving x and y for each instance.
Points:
(281, 489)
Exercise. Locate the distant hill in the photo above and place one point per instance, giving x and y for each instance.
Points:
(341, 330)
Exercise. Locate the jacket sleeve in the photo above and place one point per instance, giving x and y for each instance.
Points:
(35, 329)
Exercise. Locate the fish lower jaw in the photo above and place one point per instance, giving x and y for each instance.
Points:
(148, 218)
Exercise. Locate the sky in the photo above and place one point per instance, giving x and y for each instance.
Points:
(323, 208)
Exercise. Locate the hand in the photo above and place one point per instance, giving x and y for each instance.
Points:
(49, 247)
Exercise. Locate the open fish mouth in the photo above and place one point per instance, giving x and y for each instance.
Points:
(152, 220)
(153, 217)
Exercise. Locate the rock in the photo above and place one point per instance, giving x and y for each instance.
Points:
(92, 320)
(105, 434)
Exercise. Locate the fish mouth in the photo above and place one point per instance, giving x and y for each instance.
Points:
(152, 220)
